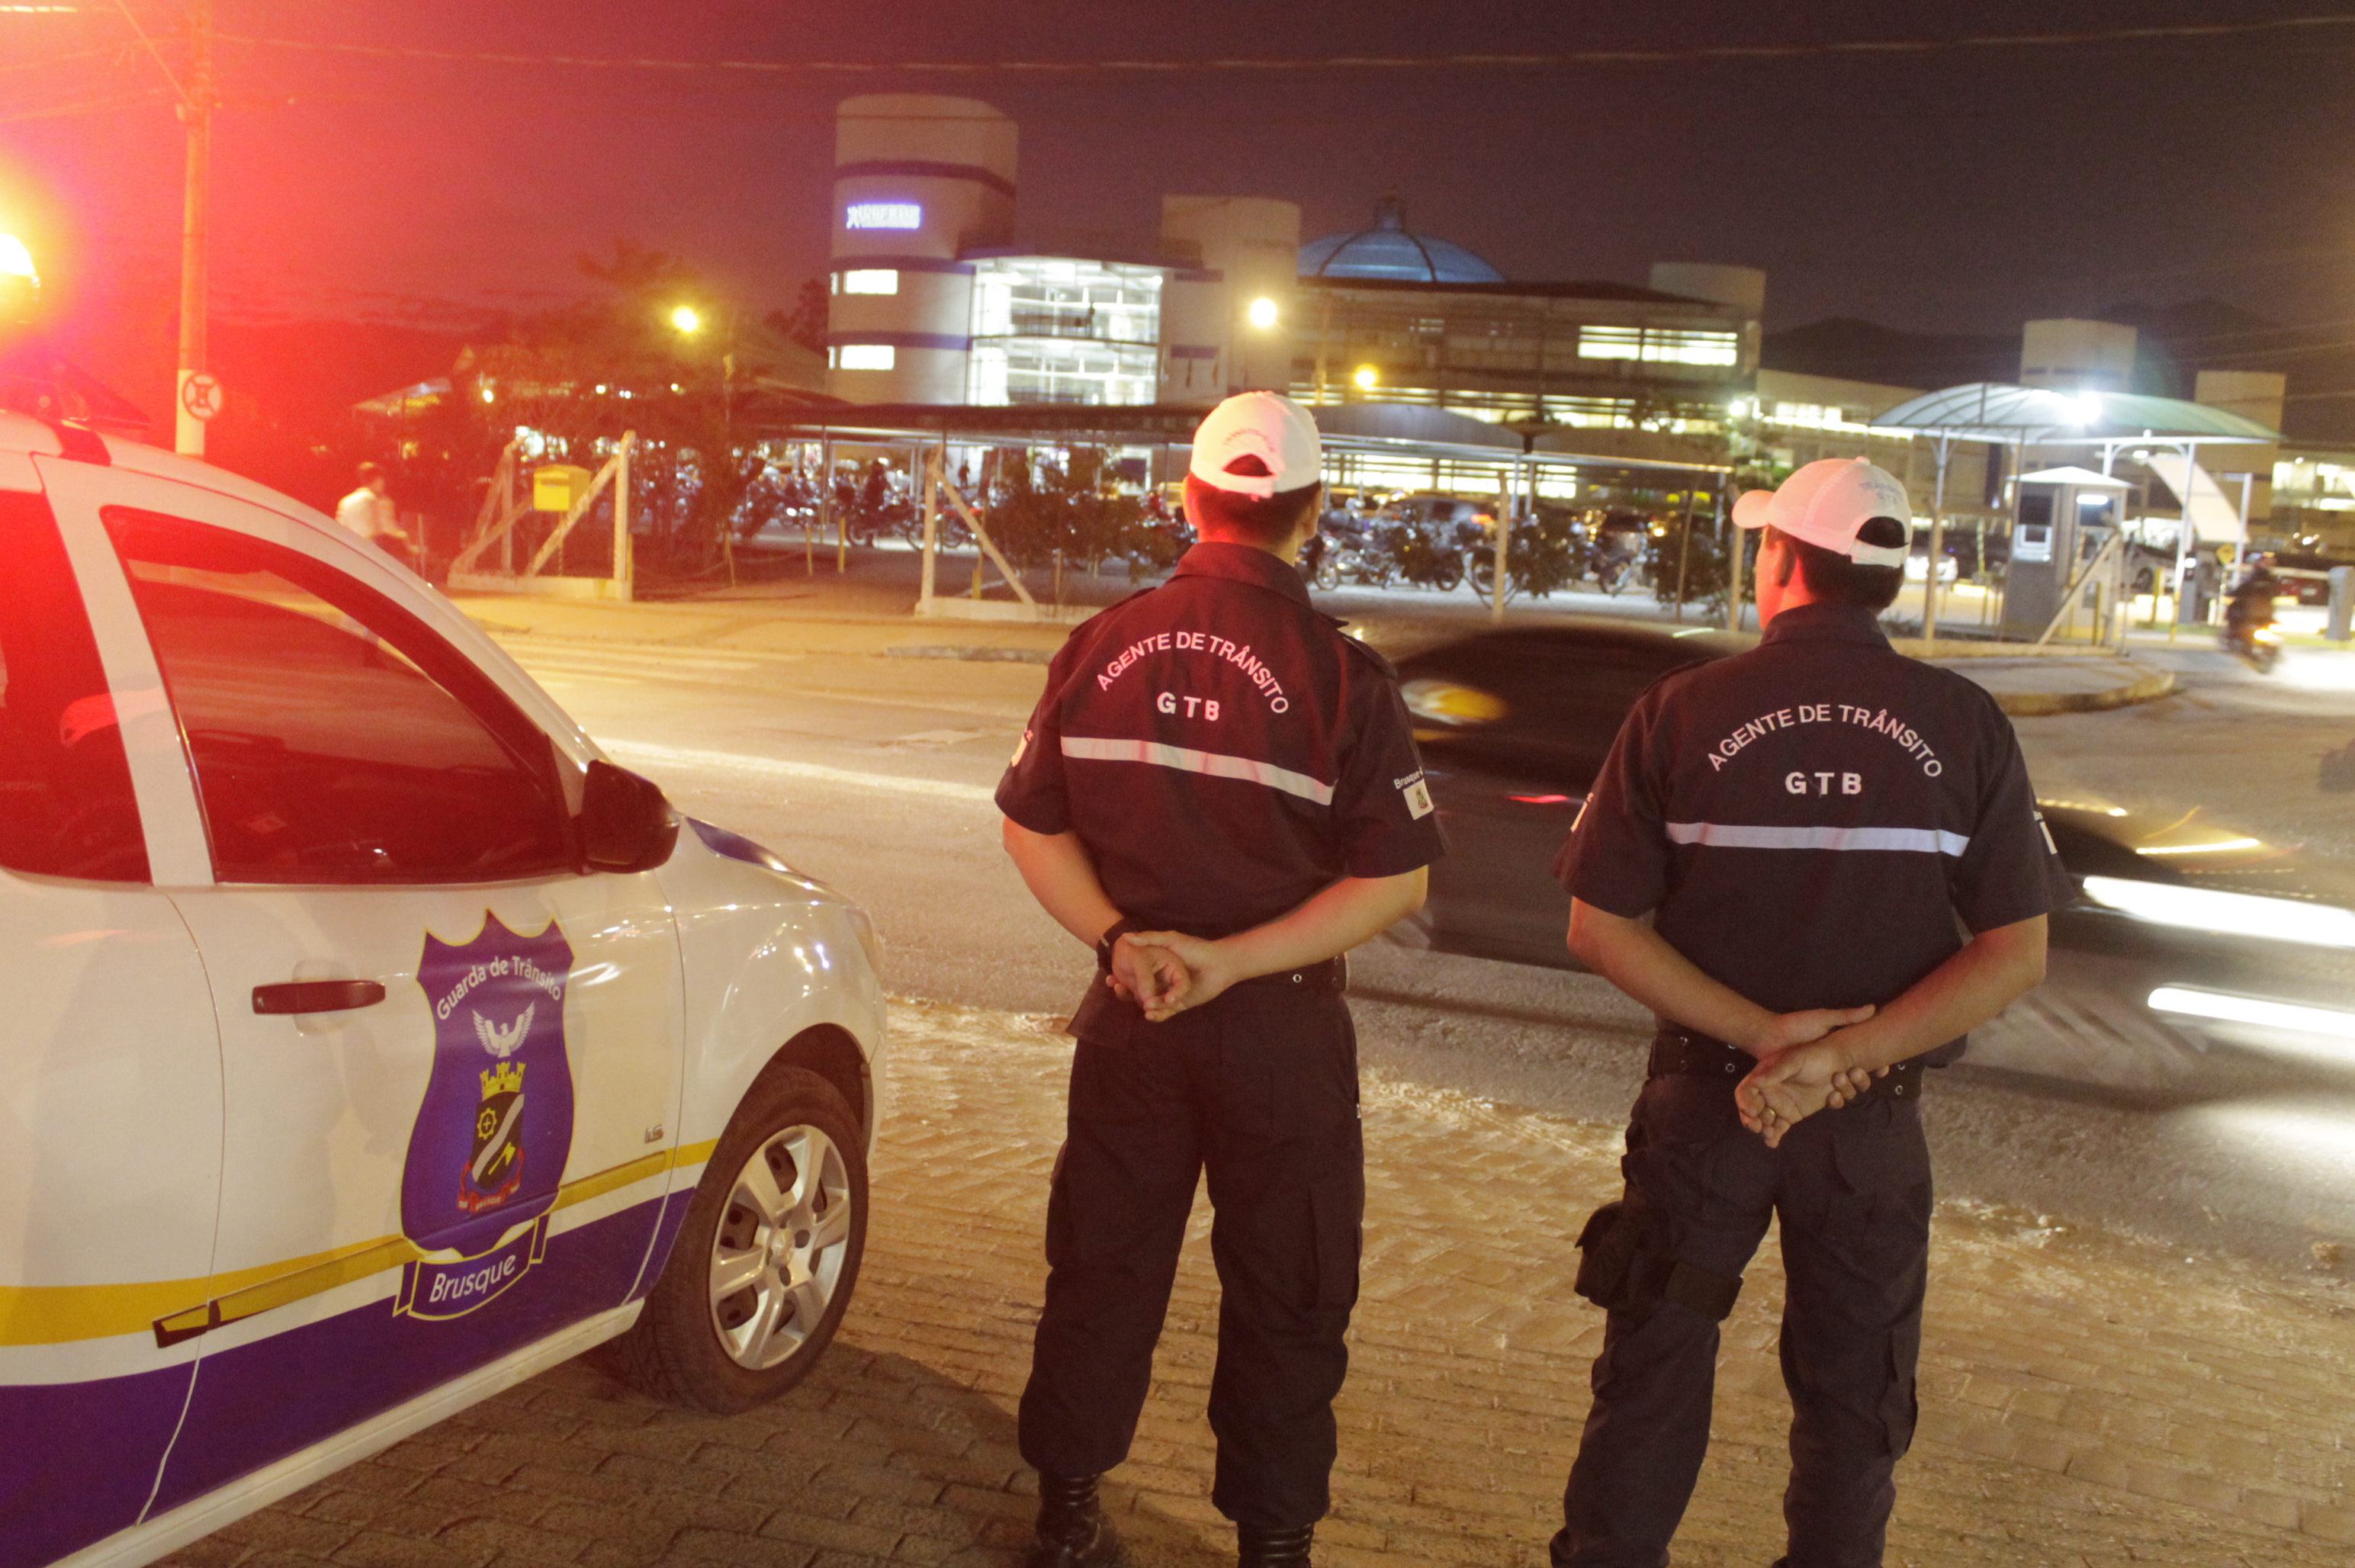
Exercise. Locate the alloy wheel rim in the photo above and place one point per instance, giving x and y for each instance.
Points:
(778, 1255)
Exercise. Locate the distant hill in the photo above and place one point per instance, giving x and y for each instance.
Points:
(1856, 350)
(2173, 345)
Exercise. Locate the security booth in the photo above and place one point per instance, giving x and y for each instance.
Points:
(2030, 419)
(2065, 522)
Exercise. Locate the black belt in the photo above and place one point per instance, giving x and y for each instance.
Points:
(1333, 974)
(1677, 1050)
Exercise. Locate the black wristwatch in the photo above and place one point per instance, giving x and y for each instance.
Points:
(1112, 933)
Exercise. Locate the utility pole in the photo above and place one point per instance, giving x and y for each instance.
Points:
(196, 111)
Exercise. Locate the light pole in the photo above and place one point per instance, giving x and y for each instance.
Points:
(689, 321)
(196, 110)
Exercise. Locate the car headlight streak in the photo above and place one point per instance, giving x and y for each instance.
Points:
(2330, 1024)
(1446, 702)
(2232, 914)
(2213, 847)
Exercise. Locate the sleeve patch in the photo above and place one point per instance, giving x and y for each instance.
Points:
(1418, 797)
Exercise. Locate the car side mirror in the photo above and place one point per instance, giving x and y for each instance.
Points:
(626, 823)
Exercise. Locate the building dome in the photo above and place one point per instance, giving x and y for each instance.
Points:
(1388, 250)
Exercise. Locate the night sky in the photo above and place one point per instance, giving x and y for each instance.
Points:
(1952, 191)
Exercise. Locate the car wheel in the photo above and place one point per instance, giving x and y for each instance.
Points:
(765, 1265)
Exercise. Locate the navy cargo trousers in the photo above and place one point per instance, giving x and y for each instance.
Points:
(1851, 1191)
(1259, 1090)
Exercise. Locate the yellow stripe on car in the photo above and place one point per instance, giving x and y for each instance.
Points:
(60, 1314)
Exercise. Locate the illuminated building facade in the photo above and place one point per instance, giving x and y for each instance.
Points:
(934, 302)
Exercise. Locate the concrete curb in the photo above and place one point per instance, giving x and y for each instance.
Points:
(2154, 685)
(971, 653)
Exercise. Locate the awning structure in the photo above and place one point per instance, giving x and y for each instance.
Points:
(2215, 519)
(1349, 430)
(2035, 416)
(2084, 478)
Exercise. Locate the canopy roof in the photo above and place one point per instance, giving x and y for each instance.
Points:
(1364, 429)
(1993, 411)
(2084, 478)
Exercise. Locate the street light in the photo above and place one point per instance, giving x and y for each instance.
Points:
(1367, 377)
(687, 318)
(1262, 314)
(15, 260)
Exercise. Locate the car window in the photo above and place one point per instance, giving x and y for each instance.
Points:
(66, 802)
(335, 738)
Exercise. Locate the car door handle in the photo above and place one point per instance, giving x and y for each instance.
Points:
(317, 996)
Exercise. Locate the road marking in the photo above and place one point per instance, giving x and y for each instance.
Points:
(687, 757)
(662, 662)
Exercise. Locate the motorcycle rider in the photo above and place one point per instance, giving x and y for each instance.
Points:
(2249, 612)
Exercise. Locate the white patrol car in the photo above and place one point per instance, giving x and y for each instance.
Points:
(371, 1043)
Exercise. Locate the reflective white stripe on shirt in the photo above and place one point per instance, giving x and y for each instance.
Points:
(1738, 836)
(1097, 749)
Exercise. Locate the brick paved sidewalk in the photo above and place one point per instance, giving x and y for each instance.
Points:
(2086, 1401)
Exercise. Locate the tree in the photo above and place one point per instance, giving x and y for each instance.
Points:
(628, 357)
(1068, 507)
(807, 324)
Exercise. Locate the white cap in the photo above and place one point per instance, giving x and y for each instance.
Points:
(1265, 426)
(1826, 502)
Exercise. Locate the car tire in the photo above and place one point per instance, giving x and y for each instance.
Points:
(767, 1259)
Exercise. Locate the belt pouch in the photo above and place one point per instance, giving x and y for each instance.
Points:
(1606, 1257)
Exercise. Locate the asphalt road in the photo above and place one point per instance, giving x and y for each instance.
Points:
(875, 775)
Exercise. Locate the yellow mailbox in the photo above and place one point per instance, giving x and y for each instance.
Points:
(559, 486)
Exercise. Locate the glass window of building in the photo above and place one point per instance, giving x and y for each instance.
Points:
(1053, 329)
(868, 356)
(1659, 346)
(871, 281)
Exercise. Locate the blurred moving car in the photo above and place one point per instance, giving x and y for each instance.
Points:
(375, 1043)
(2185, 937)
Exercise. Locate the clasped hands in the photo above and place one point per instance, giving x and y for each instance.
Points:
(1801, 1070)
(1166, 972)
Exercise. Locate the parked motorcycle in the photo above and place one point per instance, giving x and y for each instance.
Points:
(1541, 556)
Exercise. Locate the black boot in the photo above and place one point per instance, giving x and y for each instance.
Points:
(1072, 1532)
(1261, 1547)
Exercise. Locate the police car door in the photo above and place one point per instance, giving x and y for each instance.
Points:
(451, 1060)
(110, 1070)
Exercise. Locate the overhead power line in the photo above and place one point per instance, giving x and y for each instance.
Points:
(85, 106)
(1556, 61)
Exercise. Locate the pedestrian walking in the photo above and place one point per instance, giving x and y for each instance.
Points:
(369, 512)
(1220, 792)
(1780, 859)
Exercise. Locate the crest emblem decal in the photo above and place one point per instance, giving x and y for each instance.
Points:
(490, 1142)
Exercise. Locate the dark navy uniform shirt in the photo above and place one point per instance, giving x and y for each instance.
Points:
(1222, 751)
(1817, 821)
